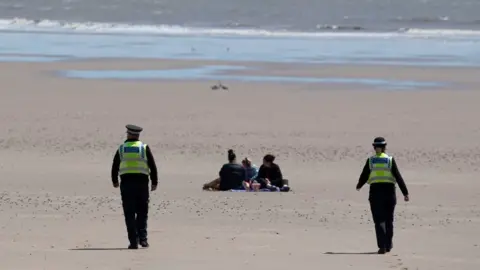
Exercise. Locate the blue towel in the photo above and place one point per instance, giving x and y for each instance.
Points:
(260, 190)
(283, 189)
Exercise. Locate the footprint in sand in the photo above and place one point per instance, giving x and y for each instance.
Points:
(397, 263)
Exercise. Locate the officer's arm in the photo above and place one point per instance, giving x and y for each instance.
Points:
(364, 176)
(399, 178)
(152, 166)
(115, 167)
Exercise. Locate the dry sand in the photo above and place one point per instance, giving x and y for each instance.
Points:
(59, 135)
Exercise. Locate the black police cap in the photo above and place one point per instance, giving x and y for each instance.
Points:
(379, 141)
(133, 129)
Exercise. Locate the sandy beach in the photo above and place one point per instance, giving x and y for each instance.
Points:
(60, 211)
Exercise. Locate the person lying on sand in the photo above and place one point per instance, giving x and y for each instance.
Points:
(270, 176)
(231, 175)
(213, 185)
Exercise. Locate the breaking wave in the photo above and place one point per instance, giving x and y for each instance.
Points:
(26, 25)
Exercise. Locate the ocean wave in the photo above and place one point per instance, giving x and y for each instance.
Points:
(441, 32)
(20, 24)
(423, 19)
(439, 20)
(340, 27)
(52, 26)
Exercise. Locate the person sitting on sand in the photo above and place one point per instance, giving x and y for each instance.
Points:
(231, 175)
(270, 176)
(251, 172)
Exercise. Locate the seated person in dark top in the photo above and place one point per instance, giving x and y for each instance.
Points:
(231, 175)
(270, 176)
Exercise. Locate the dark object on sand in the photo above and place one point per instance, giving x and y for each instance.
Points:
(219, 85)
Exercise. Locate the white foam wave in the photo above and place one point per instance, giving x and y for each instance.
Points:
(442, 32)
(21, 24)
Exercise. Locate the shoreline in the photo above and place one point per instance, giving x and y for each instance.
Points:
(386, 51)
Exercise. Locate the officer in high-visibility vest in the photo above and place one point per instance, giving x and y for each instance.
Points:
(134, 163)
(381, 172)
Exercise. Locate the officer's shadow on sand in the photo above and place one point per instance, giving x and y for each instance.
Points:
(97, 249)
(350, 253)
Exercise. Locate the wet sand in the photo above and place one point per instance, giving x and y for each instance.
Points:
(59, 210)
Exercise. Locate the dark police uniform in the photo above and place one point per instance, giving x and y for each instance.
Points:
(134, 163)
(382, 173)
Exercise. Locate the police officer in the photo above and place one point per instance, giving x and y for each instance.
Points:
(134, 163)
(381, 172)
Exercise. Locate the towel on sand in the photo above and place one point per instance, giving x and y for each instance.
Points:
(284, 189)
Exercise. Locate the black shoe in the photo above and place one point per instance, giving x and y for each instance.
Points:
(388, 249)
(381, 251)
(144, 243)
(132, 246)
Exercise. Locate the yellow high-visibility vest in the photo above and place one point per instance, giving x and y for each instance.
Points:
(133, 158)
(381, 169)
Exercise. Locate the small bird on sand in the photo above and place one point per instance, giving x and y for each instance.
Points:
(219, 86)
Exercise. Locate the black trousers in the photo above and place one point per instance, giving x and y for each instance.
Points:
(383, 208)
(135, 199)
